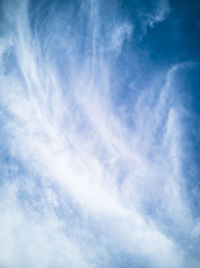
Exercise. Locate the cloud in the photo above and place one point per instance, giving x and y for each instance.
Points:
(87, 187)
(156, 14)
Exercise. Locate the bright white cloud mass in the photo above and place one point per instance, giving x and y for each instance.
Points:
(96, 149)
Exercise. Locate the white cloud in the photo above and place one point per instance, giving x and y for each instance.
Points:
(70, 139)
(157, 15)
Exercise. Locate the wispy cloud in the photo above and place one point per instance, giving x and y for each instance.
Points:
(80, 187)
(157, 13)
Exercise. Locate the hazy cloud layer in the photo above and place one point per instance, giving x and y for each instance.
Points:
(99, 146)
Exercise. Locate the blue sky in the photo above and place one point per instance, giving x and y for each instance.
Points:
(99, 137)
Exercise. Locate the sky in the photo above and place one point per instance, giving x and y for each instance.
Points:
(99, 134)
